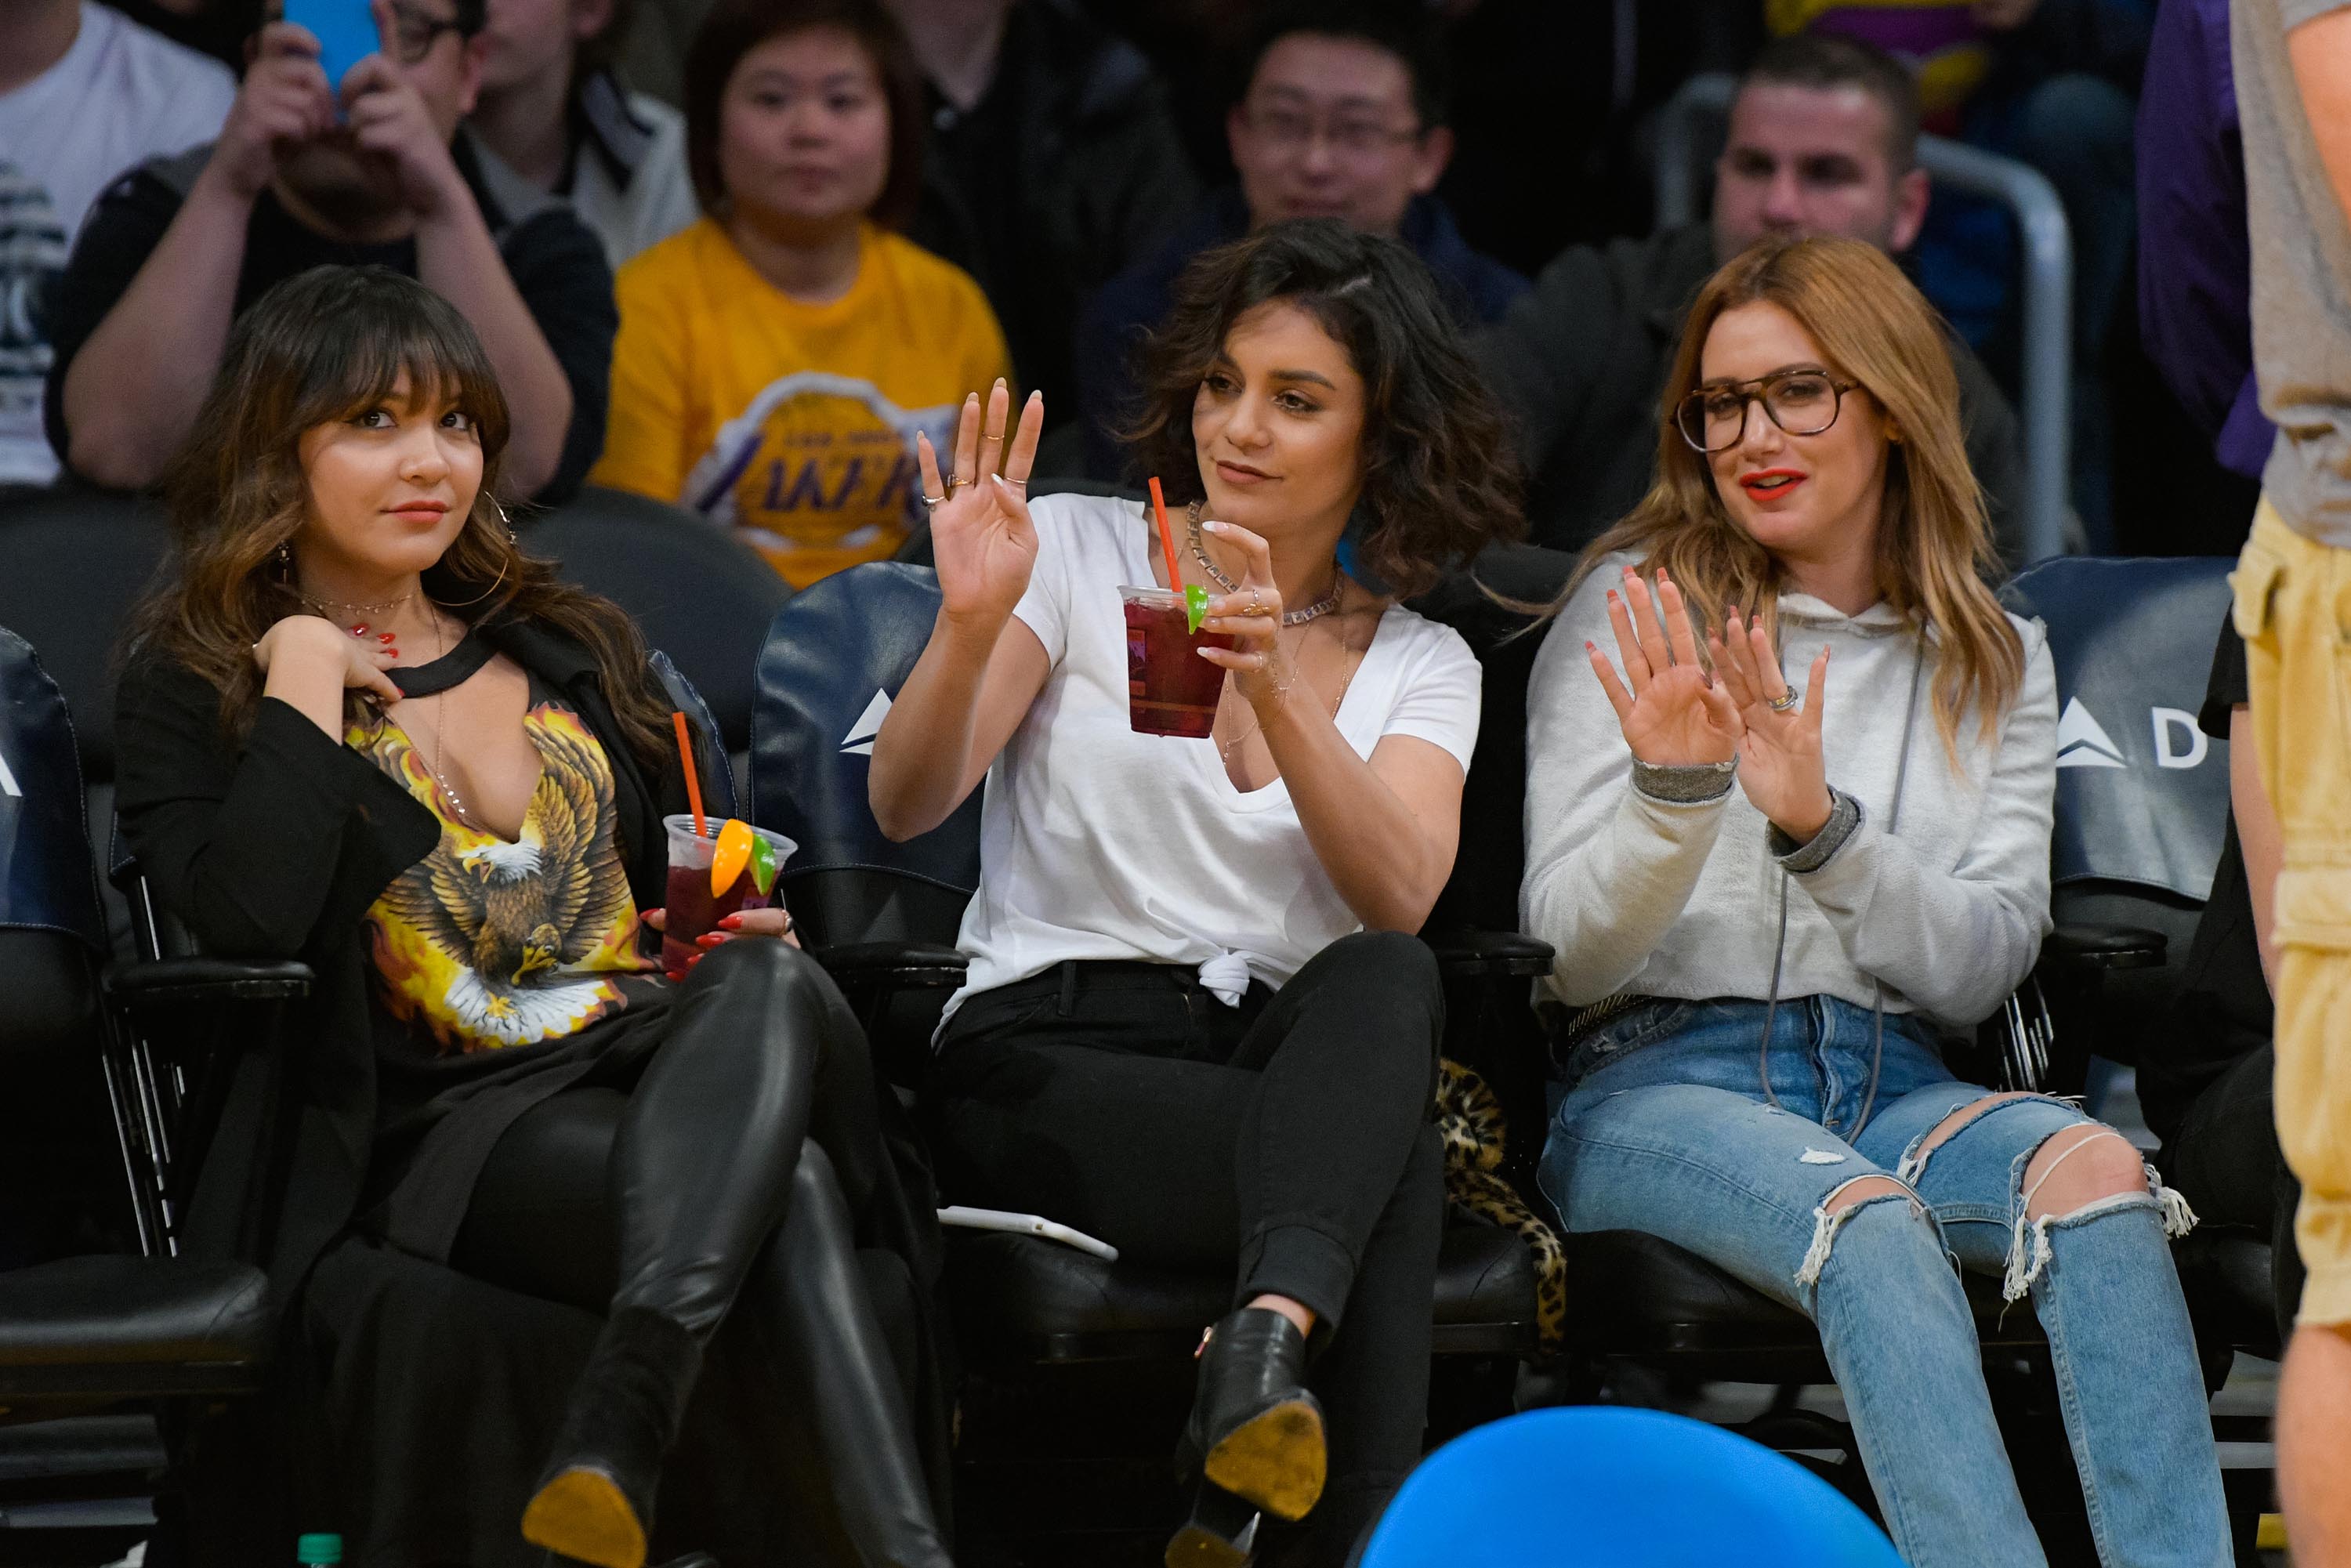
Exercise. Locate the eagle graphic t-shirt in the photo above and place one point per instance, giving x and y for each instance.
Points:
(792, 422)
(485, 946)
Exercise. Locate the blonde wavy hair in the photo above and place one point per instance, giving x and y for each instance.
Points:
(1934, 545)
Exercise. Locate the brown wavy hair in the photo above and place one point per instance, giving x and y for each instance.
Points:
(323, 346)
(1440, 473)
(1934, 546)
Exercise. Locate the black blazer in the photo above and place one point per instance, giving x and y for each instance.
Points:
(274, 849)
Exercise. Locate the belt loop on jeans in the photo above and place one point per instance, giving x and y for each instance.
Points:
(1069, 1003)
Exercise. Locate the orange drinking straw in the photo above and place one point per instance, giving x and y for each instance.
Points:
(692, 784)
(1166, 536)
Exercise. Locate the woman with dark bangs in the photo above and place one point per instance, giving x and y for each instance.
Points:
(359, 727)
(1196, 1022)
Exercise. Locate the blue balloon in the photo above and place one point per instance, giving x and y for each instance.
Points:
(1625, 1489)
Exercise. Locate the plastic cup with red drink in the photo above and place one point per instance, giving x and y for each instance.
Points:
(1170, 689)
(694, 907)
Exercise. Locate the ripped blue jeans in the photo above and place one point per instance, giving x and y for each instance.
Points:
(1663, 1127)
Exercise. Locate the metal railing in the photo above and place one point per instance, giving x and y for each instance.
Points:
(2045, 413)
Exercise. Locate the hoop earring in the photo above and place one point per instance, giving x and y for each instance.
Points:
(513, 545)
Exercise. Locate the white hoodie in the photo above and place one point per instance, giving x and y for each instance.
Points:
(1642, 894)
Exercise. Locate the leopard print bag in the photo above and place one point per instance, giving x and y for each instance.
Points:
(1469, 1119)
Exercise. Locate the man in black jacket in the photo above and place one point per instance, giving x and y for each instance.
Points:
(1052, 163)
(1821, 140)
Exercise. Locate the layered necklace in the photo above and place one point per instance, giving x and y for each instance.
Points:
(1320, 607)
(437, 691)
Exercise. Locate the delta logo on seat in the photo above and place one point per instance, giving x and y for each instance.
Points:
(2083, 741)
(860, 738)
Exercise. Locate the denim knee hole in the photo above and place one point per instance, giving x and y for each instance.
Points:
(2028, 1251)
(1829, 1218)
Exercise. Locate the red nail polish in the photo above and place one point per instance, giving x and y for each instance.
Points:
(360, 630)
(732, 923)
(385, 636)
(708, 940)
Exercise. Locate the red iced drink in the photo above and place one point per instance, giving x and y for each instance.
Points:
(1170, 689)
(692, 909)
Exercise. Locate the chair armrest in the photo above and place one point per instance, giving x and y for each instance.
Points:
(1473, 955)
(2088, 948)
(166, 981)
(900, 965)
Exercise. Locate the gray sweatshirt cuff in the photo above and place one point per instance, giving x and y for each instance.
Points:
(1693, 784)
(1844, 821)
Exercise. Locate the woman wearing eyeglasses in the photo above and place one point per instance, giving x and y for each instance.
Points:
(1772, 893)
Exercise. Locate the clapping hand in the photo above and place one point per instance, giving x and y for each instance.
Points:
(1780, 762)
(1675, 715)
(982, 538)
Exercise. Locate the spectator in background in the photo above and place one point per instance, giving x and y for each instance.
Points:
(179, 248)
(2051, 83)
(2291, 60)
(553, 108)
(777, 358)
(1051, 164)
(1344, 117)
(84, 95)
(2195, 306)
(1823, 137)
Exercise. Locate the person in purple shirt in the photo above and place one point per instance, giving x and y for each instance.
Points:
(2195, 313)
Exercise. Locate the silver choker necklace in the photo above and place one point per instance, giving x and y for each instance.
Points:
(1320, 607)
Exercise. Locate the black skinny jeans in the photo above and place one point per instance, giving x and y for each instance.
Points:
(1286, 1140)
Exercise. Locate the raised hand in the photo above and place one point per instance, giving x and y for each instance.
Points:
(1780, 762)
(320, 644)
(1251, 615)
(284, 99)
(982, 538)
(1674, 715)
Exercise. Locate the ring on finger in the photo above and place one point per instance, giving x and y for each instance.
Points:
(1786, 700)
(1018, 487)
(951, 485)
(1255, 604)
(932, 503)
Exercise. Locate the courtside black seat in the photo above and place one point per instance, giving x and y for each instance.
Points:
(697, 592)
(81, 1334)
(883, 917)
(1021, 1298)
(112, 1326)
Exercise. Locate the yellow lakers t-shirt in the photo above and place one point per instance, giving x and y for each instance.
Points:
(793, 423)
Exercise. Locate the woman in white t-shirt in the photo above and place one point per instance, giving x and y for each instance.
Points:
(1197, 1023)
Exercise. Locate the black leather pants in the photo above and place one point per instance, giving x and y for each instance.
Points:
(731, 1169)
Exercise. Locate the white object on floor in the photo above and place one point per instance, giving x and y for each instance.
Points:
(966, 1219)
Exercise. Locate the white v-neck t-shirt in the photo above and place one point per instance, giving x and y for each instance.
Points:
(1099, 842)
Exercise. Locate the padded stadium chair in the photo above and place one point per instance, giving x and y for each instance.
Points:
(698, 593)
(77, 559)
(883, 918)
(1648, 1491)
(82, 1337)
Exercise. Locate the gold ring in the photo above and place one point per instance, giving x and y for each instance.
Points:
(1786, 700)
(952, 484)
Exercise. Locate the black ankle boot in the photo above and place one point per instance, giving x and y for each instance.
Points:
(595, 1501)
(1256, 1431)
(1220, 1532)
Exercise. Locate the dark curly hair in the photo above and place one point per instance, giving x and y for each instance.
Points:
(1440, 473)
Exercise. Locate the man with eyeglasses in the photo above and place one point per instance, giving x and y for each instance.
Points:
(304, 174)
(1344, 117)
(1821, 140)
